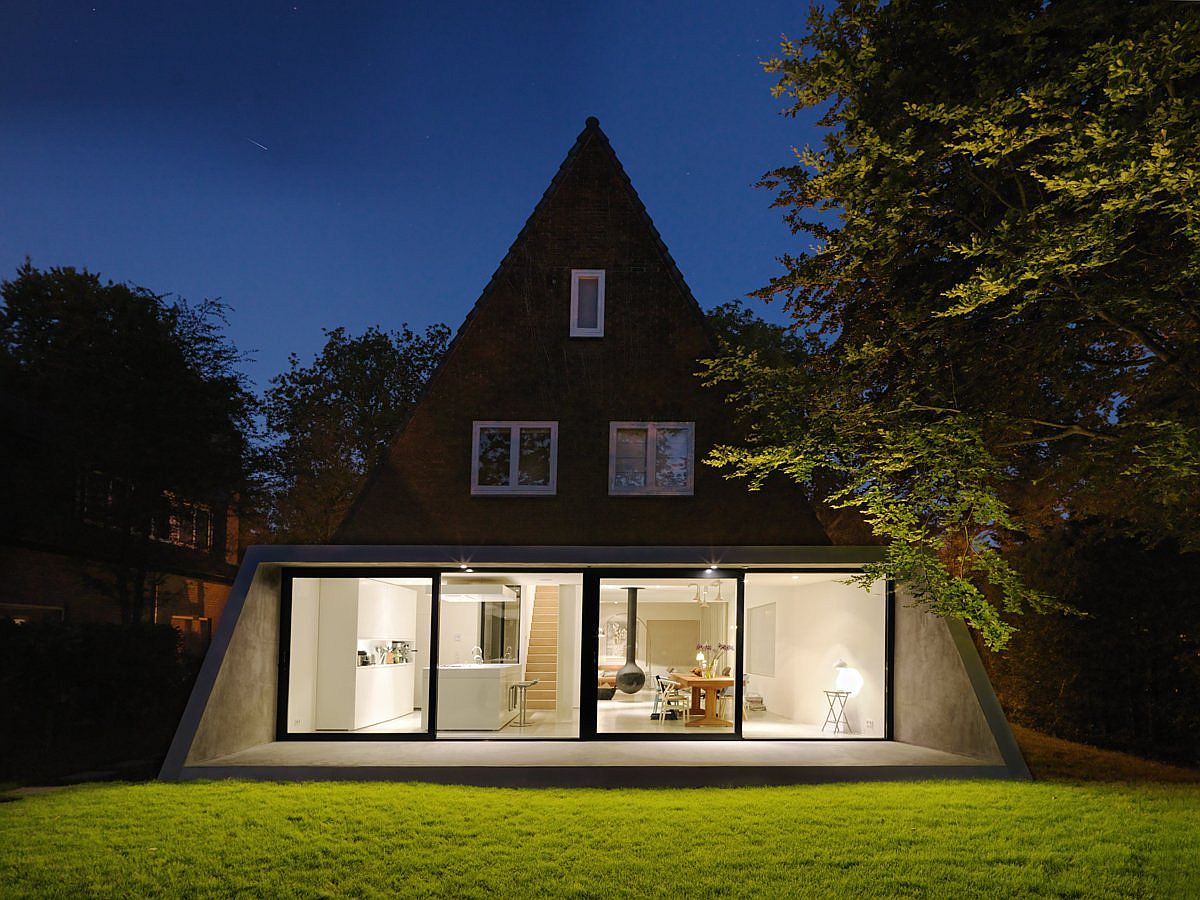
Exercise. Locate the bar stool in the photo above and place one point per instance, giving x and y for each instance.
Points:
(522, 689)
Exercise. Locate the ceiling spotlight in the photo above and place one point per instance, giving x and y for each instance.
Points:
(465, 569)
(709, 569)
(463, 566)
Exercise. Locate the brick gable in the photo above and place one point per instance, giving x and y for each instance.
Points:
(513, 359)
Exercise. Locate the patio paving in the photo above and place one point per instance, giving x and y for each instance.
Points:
(595, 763)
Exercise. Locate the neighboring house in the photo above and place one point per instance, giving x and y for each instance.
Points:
(59, 543)
(544, 583)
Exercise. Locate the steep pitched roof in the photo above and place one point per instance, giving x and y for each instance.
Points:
(513, 359)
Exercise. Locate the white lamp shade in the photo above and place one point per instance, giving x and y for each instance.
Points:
(847, 678)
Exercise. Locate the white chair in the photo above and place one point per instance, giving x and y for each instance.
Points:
(668, 698)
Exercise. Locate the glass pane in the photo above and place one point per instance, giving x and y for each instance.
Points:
(509, 646)
(630, 469)
(671, 458)
(495, 453)
(202, 529)
(666, 656)
(358, 646)
(185, 524)
(816, 651)
(534, 466)
(589, 303)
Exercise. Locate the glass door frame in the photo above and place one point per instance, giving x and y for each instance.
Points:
(590, 660)
(288, 574)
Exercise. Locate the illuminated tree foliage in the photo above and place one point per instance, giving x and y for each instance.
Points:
(328, 421)
(999, 306)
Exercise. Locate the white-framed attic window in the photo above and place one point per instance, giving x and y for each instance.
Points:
(514, 458)
(651, 458)
(587, 303)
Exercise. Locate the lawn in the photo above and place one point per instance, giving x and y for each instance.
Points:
(946, 839)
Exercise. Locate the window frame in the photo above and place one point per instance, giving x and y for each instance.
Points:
(177, 511)
(576, 276)
(513, 488)
(650, 490)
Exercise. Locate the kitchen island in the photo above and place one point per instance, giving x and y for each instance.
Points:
(473, 696)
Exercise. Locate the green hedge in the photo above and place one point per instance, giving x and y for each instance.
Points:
(87, 696)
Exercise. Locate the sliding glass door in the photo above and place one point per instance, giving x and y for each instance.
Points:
(666, 654)
(508, 655)
(352, 652)
(374, 654)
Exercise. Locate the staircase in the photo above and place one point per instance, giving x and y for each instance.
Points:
(541, 661)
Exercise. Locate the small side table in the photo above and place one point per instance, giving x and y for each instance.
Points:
(837, 712)
(522, 689)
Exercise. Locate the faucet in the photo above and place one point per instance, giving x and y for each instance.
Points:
(476, 654)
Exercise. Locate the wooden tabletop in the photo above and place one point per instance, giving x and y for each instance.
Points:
(687, 679)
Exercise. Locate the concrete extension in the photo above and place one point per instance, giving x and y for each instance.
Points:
(947, 722)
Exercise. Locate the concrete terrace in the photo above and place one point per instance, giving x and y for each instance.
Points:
(594, 763)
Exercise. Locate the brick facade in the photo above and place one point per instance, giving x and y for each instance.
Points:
(513, 359)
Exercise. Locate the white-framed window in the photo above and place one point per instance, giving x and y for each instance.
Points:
(587, 303)
(514, 458)
(651, 457)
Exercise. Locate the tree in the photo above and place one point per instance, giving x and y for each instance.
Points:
(1000, 305)
(329, 421)
(144, 392)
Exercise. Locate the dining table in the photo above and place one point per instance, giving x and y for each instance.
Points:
(705, 715)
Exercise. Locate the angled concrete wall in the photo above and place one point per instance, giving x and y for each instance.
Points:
(941, 695)
(232, 706)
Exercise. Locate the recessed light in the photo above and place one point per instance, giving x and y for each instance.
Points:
(795, 578)
(709, 569)
(465, 569)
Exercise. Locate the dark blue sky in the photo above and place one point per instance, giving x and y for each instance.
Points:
(407, 143)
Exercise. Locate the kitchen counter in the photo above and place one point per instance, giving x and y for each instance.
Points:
(382, 692)
(474, 696)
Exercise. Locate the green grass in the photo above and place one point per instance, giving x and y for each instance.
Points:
(943, 839)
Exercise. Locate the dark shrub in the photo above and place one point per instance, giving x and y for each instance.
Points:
(81, 697)
(1127, 675)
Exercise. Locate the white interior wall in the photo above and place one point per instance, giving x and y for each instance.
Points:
(424, 614)
(778, 690)
(817, 624)
(337, 639)
(458, 632)
(302, 662)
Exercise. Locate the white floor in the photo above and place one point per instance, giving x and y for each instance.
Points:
(409, 724)
(617, 717)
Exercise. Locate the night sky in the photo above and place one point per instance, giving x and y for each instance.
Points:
(405, 144)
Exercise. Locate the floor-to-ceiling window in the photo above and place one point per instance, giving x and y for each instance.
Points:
(815, 662)
(508, 655)
(666, 656)
(354, 650)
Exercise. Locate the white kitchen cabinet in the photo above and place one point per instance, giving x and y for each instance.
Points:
(350, 611)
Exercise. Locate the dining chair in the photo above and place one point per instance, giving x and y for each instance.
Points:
(670, 697)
